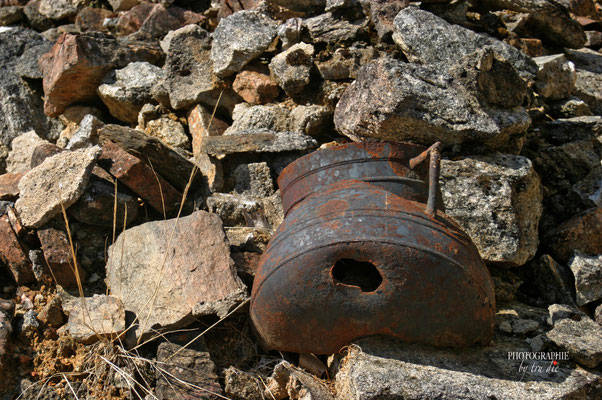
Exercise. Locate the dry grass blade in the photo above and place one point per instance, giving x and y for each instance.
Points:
(70, 387)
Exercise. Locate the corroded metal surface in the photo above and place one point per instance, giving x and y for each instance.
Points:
(354, 259)
(383, 164)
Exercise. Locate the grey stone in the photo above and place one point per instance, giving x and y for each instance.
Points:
(556, 77)
(301, 5)
(23, 146)
(35, 19)
(582, 338)
(288, 381)
(93, 318)
(260, 141)
(240, 385)
(598, 314)
(345, 63)
(333, 5)
(238, 39)
(290, 32)
(188, 68)
(523, 326)
(588, 87)
(551, 281)
(328, 28)
(588, 277)
(27, 65)
(247, 117)
(20, 107)
(520, 319)
(253, 180)
(497, 201)
(7, 309)
(236, 210)
(569, 108)
(86, 134)
(380, 368)
(30, 322)
(185, 373)
(58, 182)
(589, 188)
(556, 312)
(291, 68)
(171, 132)
(10, 15)
(312, 120)
(159, 270)
(126, 90)
(393, 100)
(427, 39)
(59, 9)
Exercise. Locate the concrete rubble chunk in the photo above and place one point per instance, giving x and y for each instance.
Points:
(57, 253)
(238, 39)
(393, 100)
(19, 158)
(14, 254)
(290, 32)
(330, 28)
(159, 270)
(93, 318)
(186, 374)
(378, 368)
(240, 385)
(288, 381)
(556, 77)
(188, 69)
(58, 9)
(291, 68)
(86, 134)
(427, 39)
(256, 142)
(588, 277)
(126, 90)
(345, 63)
(59, 181)
(497, 201)
(134, 173)
(581, 337)
(254, 180)
(77, 63)
(169, 131)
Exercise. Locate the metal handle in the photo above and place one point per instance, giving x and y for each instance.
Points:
(434, 167)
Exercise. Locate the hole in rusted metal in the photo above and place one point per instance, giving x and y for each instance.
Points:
(364, 275)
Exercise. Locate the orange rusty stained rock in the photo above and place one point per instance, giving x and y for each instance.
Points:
(57, 253)
(139, 177)
(13, 254)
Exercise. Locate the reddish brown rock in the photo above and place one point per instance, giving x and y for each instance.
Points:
(13, 254)
(584, 8)
(76, 64)
(91, 19)
(581, 233)
(255, 87)
(165, 161)
(9, 186)
(140, 178)
(57, 253)
(123, 5)
(155, 20)
(200, 124)
(42, 152)
(229, 7)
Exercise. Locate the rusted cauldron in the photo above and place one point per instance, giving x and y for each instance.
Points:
(363, 251)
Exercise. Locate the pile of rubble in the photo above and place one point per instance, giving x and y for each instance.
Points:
(139, 146)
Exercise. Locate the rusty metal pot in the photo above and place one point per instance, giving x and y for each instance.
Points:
(358, 256)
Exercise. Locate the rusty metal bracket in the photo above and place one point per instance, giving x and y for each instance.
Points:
(434, 168)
